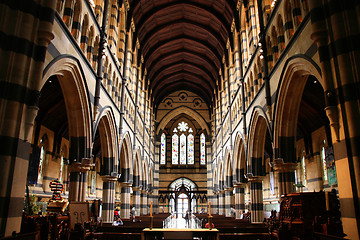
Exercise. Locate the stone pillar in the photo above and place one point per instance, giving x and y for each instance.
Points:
(143, 204)
(108, 199)
(20, 84)
(137, 200)
(286, 177)
(214, 203)
(239, 200)
(125, 200)
(228, 201)
(256, 194)
(221, 202)
(78, 180)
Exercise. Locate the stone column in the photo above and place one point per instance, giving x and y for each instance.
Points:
(228, 201)
(108, 199)
(214, 203)
(143, 204)
(286, 177)
(239, 200)
(256, 194)
(125, 200)
(20, 84)
(137, 200)
(221, 202)
(78, 180)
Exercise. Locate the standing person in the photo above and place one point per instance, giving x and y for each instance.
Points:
(187, 217)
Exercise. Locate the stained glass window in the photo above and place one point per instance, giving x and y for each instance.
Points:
(175, 149)
(93, 183)
(323, 163)
(182, 149)
(163, 149)
(190, 148)
(61, 166)
(41, 162)
(303, 168)
(202, 149)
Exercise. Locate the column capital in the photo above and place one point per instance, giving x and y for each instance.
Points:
(83, 166)
(256, 178)
(136, 189)
(108, 178)
(239, 185)
(125, 184)
(285, 167)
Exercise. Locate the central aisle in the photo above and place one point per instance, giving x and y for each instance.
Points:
(177, 221)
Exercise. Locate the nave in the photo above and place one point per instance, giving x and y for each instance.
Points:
(247, 108)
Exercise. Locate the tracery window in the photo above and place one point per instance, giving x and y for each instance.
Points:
(163, 149)
(202, 149)
(184, 144)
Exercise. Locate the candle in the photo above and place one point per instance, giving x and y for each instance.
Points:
(209, 208)
(327, 201)
(151, 203)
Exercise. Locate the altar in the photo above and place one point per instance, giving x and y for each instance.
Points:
(179, 233)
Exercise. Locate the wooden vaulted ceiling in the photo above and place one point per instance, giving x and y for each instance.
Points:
(183, 43)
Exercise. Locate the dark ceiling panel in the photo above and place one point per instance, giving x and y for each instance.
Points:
(183, 43)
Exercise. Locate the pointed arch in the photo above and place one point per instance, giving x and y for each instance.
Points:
(108, 139)
(289, 94)
(145, 175)
(137, 168)
(76, 96)
(188, 111)
(239, 159)
(125, 158)
(259, 126)
(228, 169)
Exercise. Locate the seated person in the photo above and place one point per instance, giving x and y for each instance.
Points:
(118, 222)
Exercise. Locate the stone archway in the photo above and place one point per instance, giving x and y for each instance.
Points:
(107, 133)
(255, 165)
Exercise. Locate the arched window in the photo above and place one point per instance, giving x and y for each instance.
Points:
(41, 161)
(185, 143)
(182, 149)
(202, 149)
(175, 148)
(92, 182)
(303, 168)
(61, 166)
(190, 146)
(323, 162)
(163, 149)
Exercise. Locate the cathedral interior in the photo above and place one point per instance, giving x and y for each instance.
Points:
(168, 106)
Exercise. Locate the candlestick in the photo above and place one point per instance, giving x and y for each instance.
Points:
(151, 211)
(210, 208)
